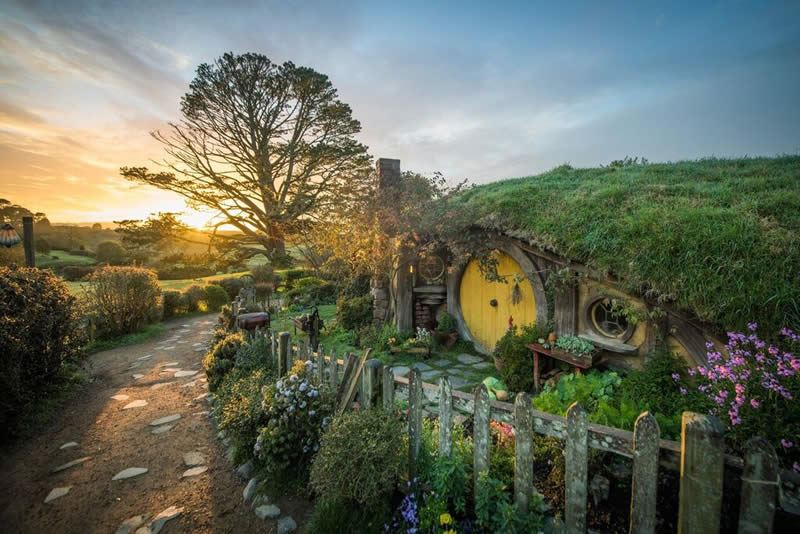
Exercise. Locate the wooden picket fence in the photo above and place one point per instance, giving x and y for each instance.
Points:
(699, 455)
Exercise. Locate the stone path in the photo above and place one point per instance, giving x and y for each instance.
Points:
(465, 371)
(135, 453)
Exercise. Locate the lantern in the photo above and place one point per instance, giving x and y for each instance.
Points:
(8, 236)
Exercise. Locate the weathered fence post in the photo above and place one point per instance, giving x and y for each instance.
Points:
(700, 499)
(301, 350)
(320, 363)
(371, 383)
(284, 348)
(388, 388)
(480, 436)
(523, 450)
(577, 469)
(644, 483)
(445, 416)
(759, 487)
(414, 420)
(275, 354)
(334, 368)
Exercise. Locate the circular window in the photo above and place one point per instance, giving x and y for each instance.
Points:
(604, 321)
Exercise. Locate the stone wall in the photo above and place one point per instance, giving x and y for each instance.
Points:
(379, 290)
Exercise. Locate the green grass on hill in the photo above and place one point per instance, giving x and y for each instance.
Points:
(61, 258)
(718, 237)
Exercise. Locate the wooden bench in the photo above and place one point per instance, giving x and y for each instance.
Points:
(577, 362)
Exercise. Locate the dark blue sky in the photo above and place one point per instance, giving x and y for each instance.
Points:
(476, 90)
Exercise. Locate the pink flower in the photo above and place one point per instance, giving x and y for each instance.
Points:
(691, 371)
(676, 376)
(786, 443)
(754, 403)
(683, 391)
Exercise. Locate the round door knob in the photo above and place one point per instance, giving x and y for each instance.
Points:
(493, 303)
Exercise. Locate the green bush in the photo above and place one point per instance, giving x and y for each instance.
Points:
(232, 285)
(216, 297)
(355, 312)
(112, 253)
(39, 334)
(182, 272)
(238, 410)
(172, 303)
(264, 290)
(295, 274)
(264, 273)
(122, 300)
(42, 245)
(516, 358)
(192, 296)
(76, 273)
(360, 457)
(220, 360)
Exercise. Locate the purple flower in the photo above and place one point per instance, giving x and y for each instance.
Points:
(683, 391)
(786, 443)
(796, 467)
(691, 371)
(752, 326)
(676, 376)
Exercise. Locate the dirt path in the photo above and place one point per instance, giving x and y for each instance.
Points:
(115, 438)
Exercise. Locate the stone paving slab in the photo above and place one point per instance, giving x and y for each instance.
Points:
(129, 473)
(469, 359)
(56, 493)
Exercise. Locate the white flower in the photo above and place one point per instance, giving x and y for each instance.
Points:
(303, 386)
(293, 378)
(312, 413)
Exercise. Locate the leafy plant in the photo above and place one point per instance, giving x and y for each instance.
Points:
(220, 360)
(171, 303)
(216, 297)
(447, 322)
(355, 312)
(192, 296)
(361, 457)
(512, 351)
(575, 345)
(40, 334)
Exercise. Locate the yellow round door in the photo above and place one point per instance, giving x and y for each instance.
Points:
(486, 306)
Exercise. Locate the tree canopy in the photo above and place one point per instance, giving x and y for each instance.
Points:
(270, 148)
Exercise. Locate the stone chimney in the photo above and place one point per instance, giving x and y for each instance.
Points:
(388, 172)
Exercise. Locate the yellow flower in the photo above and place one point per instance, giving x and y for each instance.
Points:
(445, 519)
(451, 531)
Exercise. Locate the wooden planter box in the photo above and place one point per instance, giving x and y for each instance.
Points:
(414, 350)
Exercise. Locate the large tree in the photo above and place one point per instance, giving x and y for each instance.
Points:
(268, 147)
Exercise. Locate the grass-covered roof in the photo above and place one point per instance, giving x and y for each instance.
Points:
(717, 237)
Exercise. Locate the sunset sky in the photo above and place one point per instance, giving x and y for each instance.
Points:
(482, 90)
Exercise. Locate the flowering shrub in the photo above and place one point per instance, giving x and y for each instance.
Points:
(296, 413)
(754, 388)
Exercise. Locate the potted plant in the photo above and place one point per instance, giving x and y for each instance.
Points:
(576, 346)
(445, 333)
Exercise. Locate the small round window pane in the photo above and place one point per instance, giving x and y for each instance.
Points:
(606, 322)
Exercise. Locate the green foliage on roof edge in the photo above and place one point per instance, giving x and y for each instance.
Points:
(717, 237)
